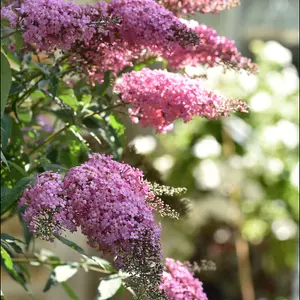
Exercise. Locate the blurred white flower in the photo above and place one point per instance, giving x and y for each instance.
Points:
(284, 131)
(260, 101)
(238, 129)
(270, 136)
(206, 147)
(144, 144)
(284, 83)
(294, 177)
(236, 162)
(284, 229)
(195, 70)
(214, 74)
(207, 175)
(274, 165)
(288, 132)
(291, 79)
(164, 163)
(273, 51)
(248, 81)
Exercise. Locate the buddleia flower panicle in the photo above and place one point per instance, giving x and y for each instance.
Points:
(107, 199)
(158, 98)
(179, 283)
(45, 207)
(182, 7)
(107, 36)
(212, 50)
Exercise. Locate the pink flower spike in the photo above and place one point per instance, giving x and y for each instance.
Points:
(178, 282)
(158, 98)
(182, 7)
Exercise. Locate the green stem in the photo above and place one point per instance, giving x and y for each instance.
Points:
(55, 263)
(103, 110)
(50, 138)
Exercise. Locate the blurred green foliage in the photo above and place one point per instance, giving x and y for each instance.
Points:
(255, 155)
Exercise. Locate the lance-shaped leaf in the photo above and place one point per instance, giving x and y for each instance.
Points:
(61, 274)
(9, 199)
(69, 291)
(5, 81)
(10, 267)
(71, 245)
(13, 243)
(108, 287)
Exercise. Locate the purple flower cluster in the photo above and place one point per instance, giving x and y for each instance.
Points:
(158, 98)
(178, 282)
(212, 50)
(105, 36)
(108, 201)
(45, 207)
(180, 7)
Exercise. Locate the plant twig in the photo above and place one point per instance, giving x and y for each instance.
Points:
(50, 138)
(103, 110)
(58, 263)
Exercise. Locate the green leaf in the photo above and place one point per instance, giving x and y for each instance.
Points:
(116, 125)
(69, 291)
(18, 168)
(19, 40)
(101, 89)
(5, 81)
(25, 114)
(4, 160)
(108, 287)
(71, 245)
(86, 99)
(68, 97)
(9, 266)
(9, 199)
(60, 274)
(28, 236)
(6, 124)
(14, 243)
(94, 260)
(16, 87)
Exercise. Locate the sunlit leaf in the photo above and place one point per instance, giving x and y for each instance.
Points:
(60, 274)
(9, 266)
(108, 287)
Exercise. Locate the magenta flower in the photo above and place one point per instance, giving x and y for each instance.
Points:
(158, 98)
(180, 7)
(149, 25)
(8, 13)
(213, 50)
(107, 199)
(102, 37)
(45, 207)
(178, 282)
